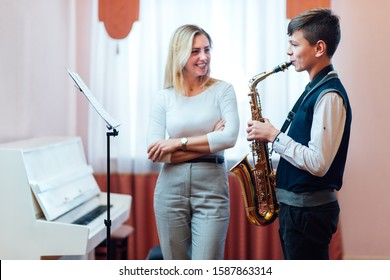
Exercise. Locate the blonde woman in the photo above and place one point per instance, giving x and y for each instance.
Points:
(199, 115)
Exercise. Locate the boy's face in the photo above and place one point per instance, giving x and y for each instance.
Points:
(302, 54)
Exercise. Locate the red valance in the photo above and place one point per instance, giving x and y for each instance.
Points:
(118, 16)
(295, 7)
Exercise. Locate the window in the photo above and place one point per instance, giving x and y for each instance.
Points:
(249, 37)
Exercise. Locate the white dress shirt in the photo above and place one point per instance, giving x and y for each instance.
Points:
(325, 137)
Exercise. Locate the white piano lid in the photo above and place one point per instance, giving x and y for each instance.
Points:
(58, 173)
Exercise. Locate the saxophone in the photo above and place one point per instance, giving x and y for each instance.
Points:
(258, 183)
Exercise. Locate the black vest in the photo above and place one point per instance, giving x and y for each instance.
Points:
(292, 179)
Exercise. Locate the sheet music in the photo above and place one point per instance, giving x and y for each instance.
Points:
(110, 121)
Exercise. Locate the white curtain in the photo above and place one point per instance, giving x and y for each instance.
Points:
(249, 37)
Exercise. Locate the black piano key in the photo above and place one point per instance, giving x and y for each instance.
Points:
(91, 215)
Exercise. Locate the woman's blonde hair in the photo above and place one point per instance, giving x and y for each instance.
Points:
(180, 49)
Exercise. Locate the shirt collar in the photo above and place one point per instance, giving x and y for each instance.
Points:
(320, 75)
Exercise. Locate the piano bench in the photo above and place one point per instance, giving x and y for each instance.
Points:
(119, 244)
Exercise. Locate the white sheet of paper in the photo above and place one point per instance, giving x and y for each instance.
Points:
(110, 121)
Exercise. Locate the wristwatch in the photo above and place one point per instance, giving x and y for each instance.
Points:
(184, 142)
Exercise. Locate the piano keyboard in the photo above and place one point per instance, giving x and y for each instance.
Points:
(90, 216)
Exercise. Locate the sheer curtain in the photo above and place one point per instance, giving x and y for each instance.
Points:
(249, 37)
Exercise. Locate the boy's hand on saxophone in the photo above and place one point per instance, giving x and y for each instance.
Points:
(261, 130)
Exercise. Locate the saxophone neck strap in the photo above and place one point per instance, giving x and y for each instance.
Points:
(331, 74)
(291, 114)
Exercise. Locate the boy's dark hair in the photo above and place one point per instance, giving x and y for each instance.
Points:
(318, 24)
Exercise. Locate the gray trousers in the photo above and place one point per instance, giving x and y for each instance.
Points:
(192, 207)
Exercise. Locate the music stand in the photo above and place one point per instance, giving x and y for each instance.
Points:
(111, 125)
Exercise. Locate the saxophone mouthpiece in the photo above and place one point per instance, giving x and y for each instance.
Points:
(282, 67)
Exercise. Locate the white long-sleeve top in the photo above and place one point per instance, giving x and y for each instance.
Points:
(182, 116)
(325, 137)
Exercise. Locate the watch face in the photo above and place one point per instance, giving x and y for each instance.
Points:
(184, 141)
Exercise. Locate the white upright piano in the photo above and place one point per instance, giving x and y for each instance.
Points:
(47, 190)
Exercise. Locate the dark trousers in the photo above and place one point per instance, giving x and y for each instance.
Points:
(305, 232)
